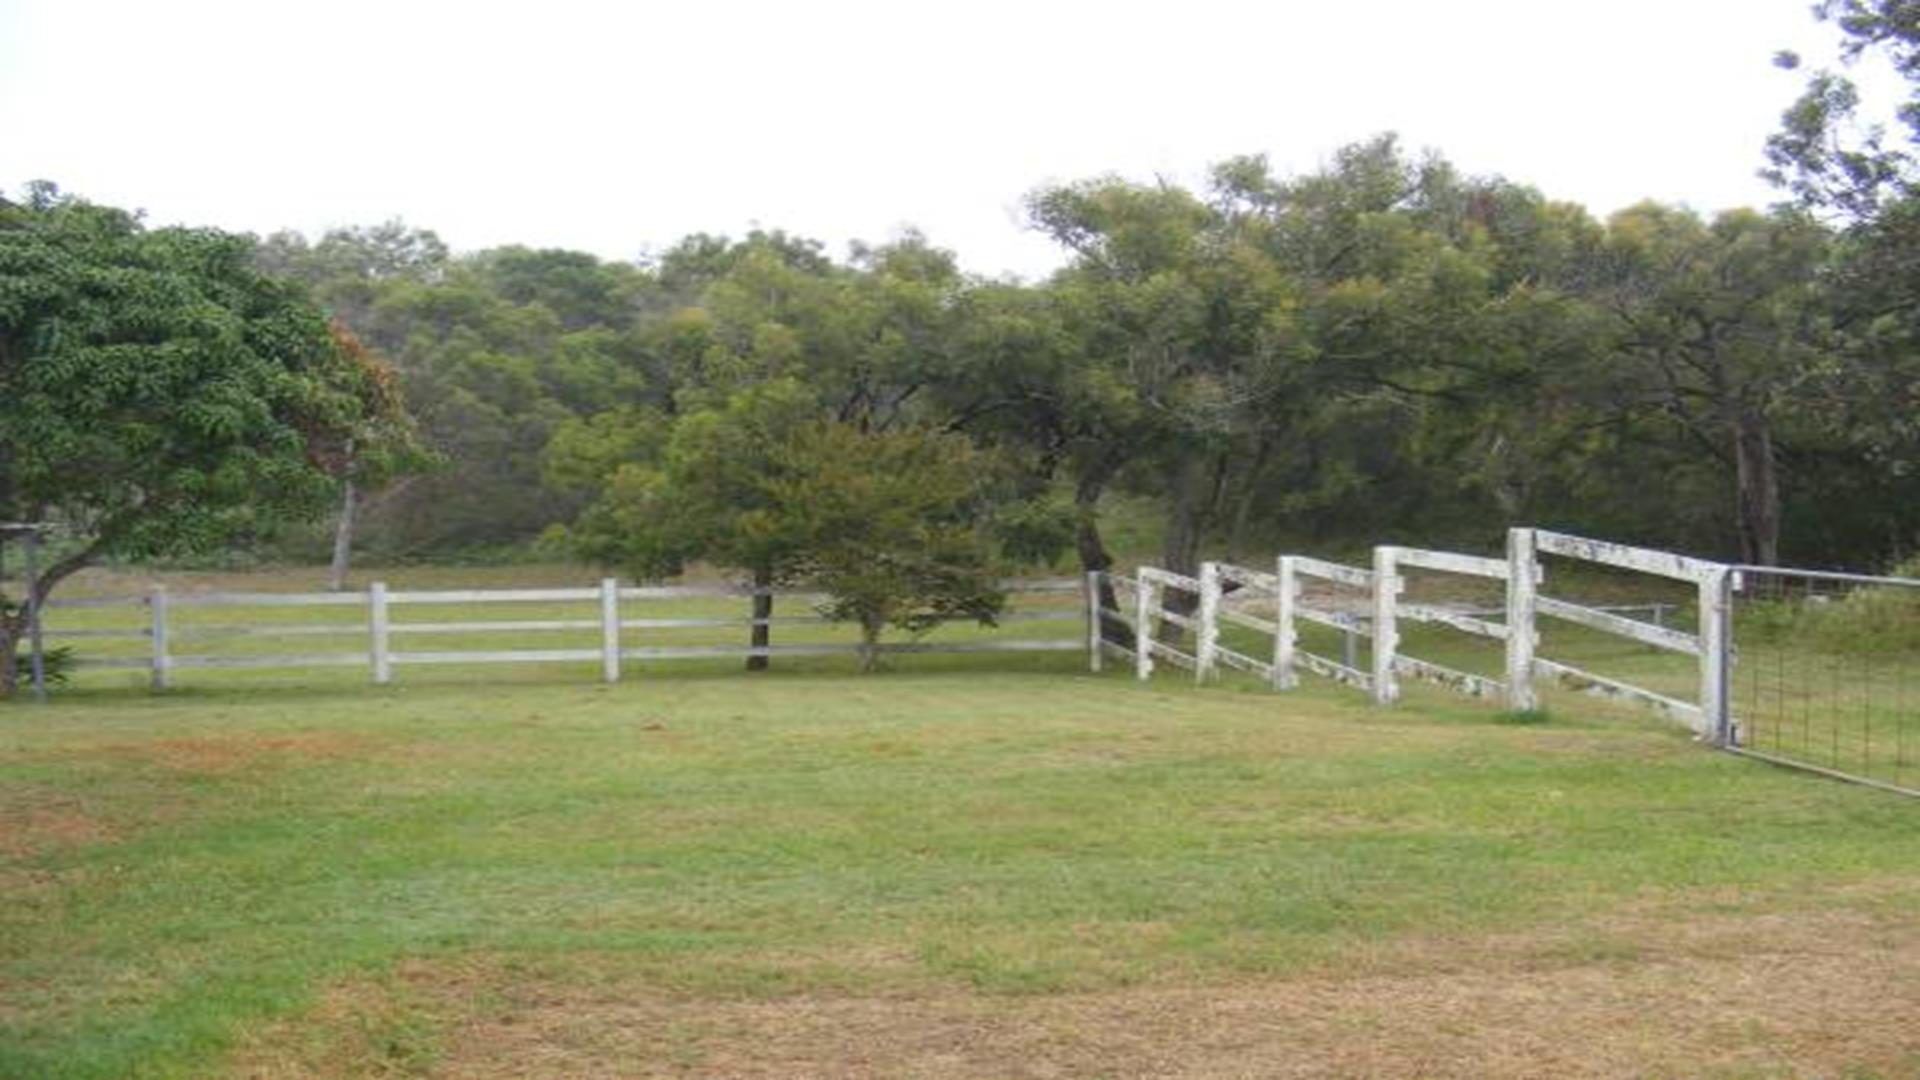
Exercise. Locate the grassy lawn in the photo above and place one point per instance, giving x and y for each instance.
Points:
(954, 868)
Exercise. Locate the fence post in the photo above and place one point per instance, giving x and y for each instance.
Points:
(1095, 631)
(162, 663)
(1142, 632)
(1386, 636)
(377, 627)
(609, 630)
(1206, 638)
(1716, 656)
(1523, 570)
(1285, 593)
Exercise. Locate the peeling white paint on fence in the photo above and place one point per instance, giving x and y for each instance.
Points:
(1386, 629)
(1600, 686)
(1471, 624)
(1286, 636)
(1645, 560)
(1514, 626)
(1523, 581)
(1441, 675)
(1607, 622)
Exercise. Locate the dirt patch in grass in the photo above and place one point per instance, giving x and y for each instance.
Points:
(1803, 996)
(222, 754)
(33, 824)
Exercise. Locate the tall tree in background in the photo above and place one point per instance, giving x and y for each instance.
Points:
(1182, 359)
(387, 429)
(494, 351)
(1722, 332)
(1866, 180)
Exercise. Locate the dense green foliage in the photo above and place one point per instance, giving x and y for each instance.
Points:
(1382, 348)
(158, 396)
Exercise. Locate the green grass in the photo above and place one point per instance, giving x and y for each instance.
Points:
(187, 865)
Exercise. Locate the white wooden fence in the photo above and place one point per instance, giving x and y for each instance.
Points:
(621, 633)
(1380, 592)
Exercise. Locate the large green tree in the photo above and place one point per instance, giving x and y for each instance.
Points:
(693, 492)
(159, 396)
(895, 527)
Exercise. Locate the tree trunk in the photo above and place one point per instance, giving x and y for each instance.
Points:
(762, 611)
(13, 624)
(1757, 484)
(1094, 556)
(1243, 513)
(870, 644)
(1193, 492)
(11, 631)
(342, 542)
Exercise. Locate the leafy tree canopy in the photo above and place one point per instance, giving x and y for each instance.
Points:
(159, 396)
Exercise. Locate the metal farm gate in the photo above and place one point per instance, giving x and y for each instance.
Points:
(1826, 673)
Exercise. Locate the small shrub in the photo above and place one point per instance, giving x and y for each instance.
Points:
(59, 662)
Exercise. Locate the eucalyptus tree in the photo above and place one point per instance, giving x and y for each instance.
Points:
(1184, 334)
(1723, 332)
(1866, 180)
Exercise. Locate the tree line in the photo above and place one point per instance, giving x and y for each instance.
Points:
(1382, 348)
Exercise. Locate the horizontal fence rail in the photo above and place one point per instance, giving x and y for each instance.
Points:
(382, 632)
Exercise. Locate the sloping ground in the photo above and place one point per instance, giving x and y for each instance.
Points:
(951, 873)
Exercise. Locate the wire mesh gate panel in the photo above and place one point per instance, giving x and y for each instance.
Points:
(1826, 673)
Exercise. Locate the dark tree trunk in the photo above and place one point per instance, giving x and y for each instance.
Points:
(1757, 483)
(1094, 555)
(342, 541)
(11, 631)
(762, 611)
(1194, 489)
(1243, 512)
(870, 628)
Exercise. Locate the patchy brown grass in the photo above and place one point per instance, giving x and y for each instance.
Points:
(34, 823)
(231, 753)
(1643, 995)
(221, 754)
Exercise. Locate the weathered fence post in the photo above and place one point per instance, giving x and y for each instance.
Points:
(378, 633)
(1523, 570)
(162, 663)
(1386, 636)
(609, 630)
(1206, 637)
(1095, 631)
(1716, 639)
(1142, 631)
(1286, 591)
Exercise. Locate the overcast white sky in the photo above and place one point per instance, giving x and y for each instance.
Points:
(619, 127)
